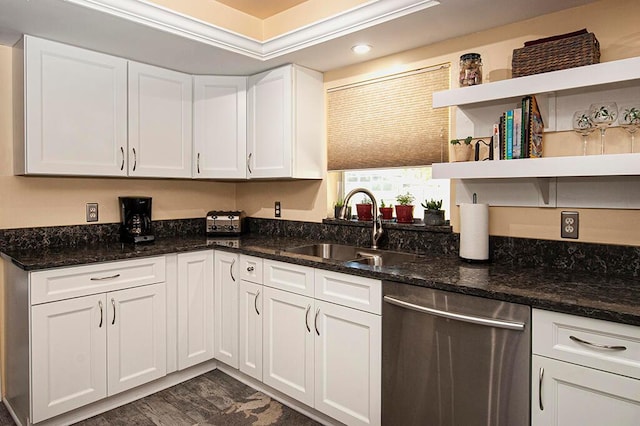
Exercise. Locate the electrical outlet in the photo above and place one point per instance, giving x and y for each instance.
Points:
(278, 210)
(569, 225)
(92, 212)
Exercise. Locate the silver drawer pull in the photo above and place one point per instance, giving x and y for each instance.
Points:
(122, 152)
(306, 318)
(598, 345)
(135, 158)
(255, 302)
(233, 262)
(101, 315)
(113, 303)
(315, 322)
(540, 377)
(250, 269)
(104, 278)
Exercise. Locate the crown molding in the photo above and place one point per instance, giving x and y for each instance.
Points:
(158, 17)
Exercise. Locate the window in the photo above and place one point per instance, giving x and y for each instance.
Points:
(386, 184)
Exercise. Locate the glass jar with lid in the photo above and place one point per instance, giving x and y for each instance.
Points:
(470, 69)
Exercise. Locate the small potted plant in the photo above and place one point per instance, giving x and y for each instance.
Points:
(337, 207)
(404, 208)
(364, 209)
(386, 211)
(433, 215)
(462, 150)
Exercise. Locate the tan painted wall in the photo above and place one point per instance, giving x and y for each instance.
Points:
(617, 30)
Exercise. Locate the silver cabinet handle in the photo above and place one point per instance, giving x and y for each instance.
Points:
(113, 303)
(540, 377)
(135, 158)
(101, 315)
(306, 318)
(249, 163)
(315, 322)
(255, 302)
(198, 163)
(122, 152)
(250, 269)
(598, 345)
(104, 278)
(509, 325)
(233, 262)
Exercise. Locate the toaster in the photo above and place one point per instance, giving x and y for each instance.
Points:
(224, 222)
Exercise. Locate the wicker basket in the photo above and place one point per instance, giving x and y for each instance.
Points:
(556, 53)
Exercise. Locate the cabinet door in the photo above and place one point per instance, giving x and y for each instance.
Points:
(570, 394)
(270, 121)
(250, 336)
(136, 336)
(348, 352)
(76, 111)
(68, 355)
(288, 344)
(160, 122)
(227, 289)
(195, 308)
(220, 127)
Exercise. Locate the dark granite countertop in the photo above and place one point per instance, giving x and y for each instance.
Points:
(605, 297)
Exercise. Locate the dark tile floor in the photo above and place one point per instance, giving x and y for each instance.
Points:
(213, 398)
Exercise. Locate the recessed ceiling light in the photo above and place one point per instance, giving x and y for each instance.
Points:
(361, 49)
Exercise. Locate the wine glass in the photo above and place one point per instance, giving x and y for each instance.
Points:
(583, 125)
(603, 115)
(630, 120)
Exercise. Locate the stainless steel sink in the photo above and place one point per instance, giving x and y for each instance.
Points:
(326, 251)
(345, 253)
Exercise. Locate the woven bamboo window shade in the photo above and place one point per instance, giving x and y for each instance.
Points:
(388, 122)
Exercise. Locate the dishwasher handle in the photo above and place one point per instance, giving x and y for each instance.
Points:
(509, 325)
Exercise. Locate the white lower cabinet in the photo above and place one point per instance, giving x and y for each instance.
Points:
(87, 348)
(348, 364)
(69, 355)
(195, 308)
(251, 312)
(288, 344)
(584, 371)
(566, 394)
(325, 355)
(227, 290)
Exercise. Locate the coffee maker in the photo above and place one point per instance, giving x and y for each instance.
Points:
(135, 220)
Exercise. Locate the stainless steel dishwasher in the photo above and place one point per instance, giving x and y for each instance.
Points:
(453, 359)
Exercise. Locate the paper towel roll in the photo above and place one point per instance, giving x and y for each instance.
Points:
(474, 232)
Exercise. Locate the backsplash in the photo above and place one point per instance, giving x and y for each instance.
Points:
(80, 235)
(522, 252)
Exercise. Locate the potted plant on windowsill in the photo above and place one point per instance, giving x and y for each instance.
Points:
(433, 215)
(404, 208)
(462, 150)
(337, 208)
(364, 209)
(386, 211)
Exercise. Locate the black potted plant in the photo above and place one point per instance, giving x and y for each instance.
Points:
(433, 215)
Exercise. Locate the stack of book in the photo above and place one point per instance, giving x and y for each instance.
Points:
(519, 132)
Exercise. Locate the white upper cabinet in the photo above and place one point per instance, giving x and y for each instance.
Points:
(220, 127)
(286, 124)
(160, 122)
(73, 103)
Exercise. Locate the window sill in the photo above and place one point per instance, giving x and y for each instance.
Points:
(417, 225)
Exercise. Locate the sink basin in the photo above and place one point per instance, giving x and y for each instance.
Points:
(326, 251)
(364, 256)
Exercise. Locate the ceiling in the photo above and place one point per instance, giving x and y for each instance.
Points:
(261, 8)
(144, 32)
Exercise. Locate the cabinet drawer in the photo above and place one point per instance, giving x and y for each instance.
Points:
(251, 269)
(593, 343)
(285, 276)
(57, 284)
(349, 290)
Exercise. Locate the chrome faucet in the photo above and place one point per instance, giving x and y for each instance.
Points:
(376, 232)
